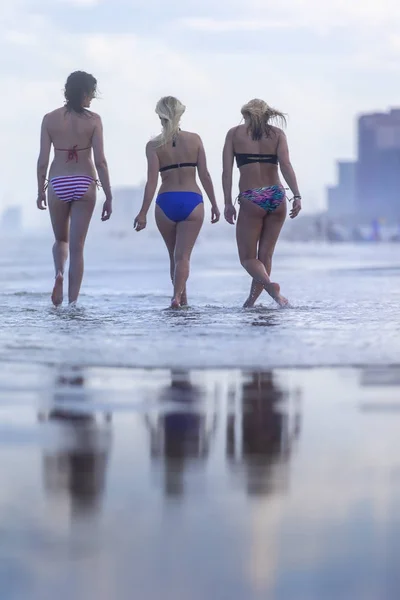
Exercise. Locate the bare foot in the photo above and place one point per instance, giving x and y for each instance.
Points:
(255, 292)
(57, 295)
(175, 304)
(250, 302)
(282, 301)
(274, 290)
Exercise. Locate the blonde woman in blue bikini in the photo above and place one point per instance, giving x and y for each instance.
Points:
(259, 148)
(177, 155)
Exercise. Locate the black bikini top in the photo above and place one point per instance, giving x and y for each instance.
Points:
(247, 159)
(178, 166)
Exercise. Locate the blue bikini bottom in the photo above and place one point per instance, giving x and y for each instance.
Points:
(177, 206)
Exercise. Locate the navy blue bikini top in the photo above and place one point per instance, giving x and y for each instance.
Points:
(247, 159)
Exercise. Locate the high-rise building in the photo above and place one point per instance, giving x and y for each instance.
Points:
(342, 197)
(378, 166)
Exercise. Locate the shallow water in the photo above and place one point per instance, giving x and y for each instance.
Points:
(228, 484)
(344, 300)
(185, 482)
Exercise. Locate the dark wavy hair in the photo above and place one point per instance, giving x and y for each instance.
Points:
(78, 85)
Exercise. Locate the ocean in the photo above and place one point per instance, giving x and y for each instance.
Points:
(344, 305)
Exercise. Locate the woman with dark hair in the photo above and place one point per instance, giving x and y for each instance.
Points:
(177, 155)
(73, 131)
(259, 147)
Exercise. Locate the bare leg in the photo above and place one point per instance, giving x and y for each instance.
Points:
(248, 232)
(167, 228)
(272, 226)
(59, 214)
(184, 300)
(81, 214)
(186, 235)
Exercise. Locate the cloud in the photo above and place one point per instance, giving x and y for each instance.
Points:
(125, 66)
(220, 25)
(20, 38)
(320, 62)
(332, 14)
(81, 3)
(359, 18)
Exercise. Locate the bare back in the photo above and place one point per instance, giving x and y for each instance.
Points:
(72, 137)
(185, 150)
(256, 175)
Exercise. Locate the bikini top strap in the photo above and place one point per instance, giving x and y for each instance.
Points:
(233, 138)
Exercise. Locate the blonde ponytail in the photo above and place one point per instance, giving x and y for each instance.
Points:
(260, 115)
(170, 111)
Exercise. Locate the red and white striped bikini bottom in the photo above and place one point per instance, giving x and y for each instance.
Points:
(70, 188)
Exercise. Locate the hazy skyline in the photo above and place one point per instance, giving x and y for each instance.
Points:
(320, 63)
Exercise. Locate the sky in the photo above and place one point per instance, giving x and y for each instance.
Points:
(322, 63)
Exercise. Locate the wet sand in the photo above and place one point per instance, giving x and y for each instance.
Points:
(278, 485)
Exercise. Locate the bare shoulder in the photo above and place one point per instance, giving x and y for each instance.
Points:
(151, 146)
(235, 130)
(54, 114)
(190, 136)
(192, 139)
(277, 131)
(56, 111)
(93, 115)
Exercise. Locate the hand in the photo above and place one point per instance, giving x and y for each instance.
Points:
(140, 222)
(41, 201)
(296, 208)
(215, 214)
(107, 210)
(230, 213)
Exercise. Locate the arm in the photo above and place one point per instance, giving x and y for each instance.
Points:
(102, 167)
(206, 182)
(153, 166)
(227, 167)
(288, 173)
(42, 164)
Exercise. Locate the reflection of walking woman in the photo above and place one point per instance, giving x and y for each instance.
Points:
(73, 131)
(179, 211)
(180, 437)
(258, 148)
(262, 435)
(77, 469)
